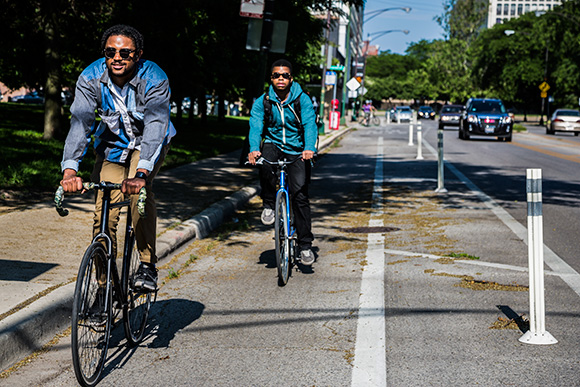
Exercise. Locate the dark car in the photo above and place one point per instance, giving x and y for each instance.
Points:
(33, 98)
(426, 112)
(450, 115)
(485, 117)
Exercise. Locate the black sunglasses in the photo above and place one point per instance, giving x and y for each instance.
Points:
(124, 53)
(283, 75)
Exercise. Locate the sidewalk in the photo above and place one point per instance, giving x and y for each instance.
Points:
(40, 251)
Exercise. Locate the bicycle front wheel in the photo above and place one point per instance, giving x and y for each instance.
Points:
(282, 245)
(136, 309)
(376, 121)
(91, 316)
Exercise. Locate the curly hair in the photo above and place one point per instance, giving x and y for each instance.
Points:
(123, 30)
(282, 63)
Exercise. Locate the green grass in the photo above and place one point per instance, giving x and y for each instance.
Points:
(29, 163)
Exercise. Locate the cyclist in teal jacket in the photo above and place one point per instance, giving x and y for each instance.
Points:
(280, 131)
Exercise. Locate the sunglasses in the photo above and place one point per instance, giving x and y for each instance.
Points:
(283, 75)
(124, 53)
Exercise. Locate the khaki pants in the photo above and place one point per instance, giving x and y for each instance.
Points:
(145, 229)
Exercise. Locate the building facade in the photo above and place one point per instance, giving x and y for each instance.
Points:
(503, 10)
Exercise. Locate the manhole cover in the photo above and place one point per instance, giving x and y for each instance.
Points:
(370, 230)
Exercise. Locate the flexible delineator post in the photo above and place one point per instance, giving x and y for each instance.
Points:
(440, 163)
(537, 333)
(419, 141)
(411, 134)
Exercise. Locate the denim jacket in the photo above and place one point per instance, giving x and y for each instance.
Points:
(148, 109)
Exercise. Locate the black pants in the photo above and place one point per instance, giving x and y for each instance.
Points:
(298, 179)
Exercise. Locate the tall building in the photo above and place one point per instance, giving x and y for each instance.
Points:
(503, 10)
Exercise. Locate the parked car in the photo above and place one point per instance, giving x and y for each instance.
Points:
(564, 120)
(450, 115)
(426, 112)
(403, 113)
(30, 98)
(485, 117)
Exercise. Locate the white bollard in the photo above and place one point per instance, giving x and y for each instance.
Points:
(537, 333)
(419, 142)
(388, 118)
(440, 163)
(410, 134)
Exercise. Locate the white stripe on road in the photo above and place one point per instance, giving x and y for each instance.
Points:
(370, 368)
(557, 264)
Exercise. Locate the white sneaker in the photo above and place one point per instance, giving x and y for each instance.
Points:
(267, 216)
(307, 257)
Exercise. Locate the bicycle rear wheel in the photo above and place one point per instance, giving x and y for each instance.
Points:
(91, 317)
(376, 121)
(282, 245)
(136, 309)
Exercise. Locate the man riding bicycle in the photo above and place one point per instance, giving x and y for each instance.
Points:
(131, 97)
(283, 125)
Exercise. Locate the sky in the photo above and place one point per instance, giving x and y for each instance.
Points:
(419, 22)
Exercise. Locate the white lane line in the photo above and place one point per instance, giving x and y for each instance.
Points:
(557, 264)
(370, 364)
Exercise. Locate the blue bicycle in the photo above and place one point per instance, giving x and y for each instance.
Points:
(285, 232)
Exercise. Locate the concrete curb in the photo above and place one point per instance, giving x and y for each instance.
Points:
(32, 327)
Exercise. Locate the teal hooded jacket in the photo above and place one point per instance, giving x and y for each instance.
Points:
(285, 131)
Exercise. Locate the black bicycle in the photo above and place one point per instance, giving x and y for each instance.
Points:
(100, 294)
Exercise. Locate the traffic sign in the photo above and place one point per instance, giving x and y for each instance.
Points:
(544, 94)
(544, 87)
(353, 84)
(330, 78)
(252, 8)
(337, 68)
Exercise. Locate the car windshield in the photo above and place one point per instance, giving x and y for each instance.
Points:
(425, 108)
(573, 113)
(451, 109)
(487, 106)
(404, 109)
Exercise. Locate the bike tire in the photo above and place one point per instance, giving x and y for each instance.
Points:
(282, 240)
(376, 121)
(90, 331)
(136, 308)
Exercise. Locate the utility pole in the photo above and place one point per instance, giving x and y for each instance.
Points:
(265, 44)
(325, 68)
(346, 72)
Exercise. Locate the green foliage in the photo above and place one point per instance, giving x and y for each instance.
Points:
(29, 163)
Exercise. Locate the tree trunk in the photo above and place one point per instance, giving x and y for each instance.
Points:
(52, 89)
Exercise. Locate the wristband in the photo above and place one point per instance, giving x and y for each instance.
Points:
(141, 175)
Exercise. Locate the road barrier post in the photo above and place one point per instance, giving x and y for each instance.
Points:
(410, 133)
(440, 163)
(537, 333)
(419, 141)
(388, 118)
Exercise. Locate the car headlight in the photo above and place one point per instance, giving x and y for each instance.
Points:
(472, 119)
(506, 120)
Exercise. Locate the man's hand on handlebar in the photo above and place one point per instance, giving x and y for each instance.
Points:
(133, 185)
(71, 182)
(253, 156)
(307, 155)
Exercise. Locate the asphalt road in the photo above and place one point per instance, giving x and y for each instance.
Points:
(377, 308)
(499, 170)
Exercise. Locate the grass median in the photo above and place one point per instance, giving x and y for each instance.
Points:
(30, 164)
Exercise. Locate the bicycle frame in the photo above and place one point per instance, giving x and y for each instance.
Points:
(282, 181)
(112, 269)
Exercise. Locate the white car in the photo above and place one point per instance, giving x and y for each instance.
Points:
(564, 120)
(403, 113)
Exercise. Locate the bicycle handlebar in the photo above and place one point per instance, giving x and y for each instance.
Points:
(261, 161)
(59, 196)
